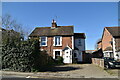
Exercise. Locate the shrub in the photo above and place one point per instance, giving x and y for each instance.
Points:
(19, 57)
(59, 60)
(25, 56)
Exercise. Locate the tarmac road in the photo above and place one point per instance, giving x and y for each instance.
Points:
(11, 77)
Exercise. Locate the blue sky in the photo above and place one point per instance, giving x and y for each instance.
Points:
(87, 17)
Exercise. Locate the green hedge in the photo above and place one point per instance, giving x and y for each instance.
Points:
(24, 56)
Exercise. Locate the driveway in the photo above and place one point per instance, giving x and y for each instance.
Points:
(114, 72)
(79, 71)
(69, 71)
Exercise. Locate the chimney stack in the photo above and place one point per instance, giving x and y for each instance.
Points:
(54, 24)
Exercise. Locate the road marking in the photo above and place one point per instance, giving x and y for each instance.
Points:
(28, 77)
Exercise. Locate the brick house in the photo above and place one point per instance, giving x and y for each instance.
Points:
(110, 42)
(60, 41)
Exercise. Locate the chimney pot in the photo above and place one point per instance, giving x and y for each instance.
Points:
(54, 24)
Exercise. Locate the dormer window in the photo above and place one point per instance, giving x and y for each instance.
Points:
(57, 41)
(43, 41)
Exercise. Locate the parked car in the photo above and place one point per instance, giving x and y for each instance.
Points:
(111, 63)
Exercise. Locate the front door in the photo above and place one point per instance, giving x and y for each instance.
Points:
(57, 54)
(67, 56)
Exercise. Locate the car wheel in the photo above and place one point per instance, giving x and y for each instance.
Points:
(107, 66)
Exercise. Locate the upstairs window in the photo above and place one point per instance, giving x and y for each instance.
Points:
(57, 41)
(43, 41)
(79, 42)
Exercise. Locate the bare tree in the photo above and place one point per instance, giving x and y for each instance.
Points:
(10, 27)
(96, 45)
(8, 23)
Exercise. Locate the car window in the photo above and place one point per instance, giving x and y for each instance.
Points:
(107, 58)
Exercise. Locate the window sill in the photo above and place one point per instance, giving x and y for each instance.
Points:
(57, 45)
(43, 45)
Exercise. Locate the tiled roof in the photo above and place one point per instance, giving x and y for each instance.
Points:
(115, 31)
(49, 31)
(79, 35)
(108, 49)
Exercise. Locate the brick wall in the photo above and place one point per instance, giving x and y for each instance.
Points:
(107, 37)
(49, 48)
(98, 62)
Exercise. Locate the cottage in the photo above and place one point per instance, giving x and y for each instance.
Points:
(60, 41)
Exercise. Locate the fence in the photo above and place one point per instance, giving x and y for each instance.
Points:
(98, 61)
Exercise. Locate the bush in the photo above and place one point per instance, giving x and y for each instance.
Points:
(24, 56)
(20, 56)
(59, 60)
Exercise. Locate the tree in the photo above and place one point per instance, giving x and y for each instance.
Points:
(8, 23)
(96, 44)
(11, 30)
(11, 40)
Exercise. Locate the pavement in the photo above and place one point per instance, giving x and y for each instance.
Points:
(60, 79)
(65, 71)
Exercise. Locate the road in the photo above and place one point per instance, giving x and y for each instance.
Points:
(60, 79)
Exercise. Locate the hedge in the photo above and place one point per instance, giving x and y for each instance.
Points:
(24, 56)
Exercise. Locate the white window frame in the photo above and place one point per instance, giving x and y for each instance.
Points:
(57, 50)
(45, 41)
(60, 41)
(107, 52)
(72, 42)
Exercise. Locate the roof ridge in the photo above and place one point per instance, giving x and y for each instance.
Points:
(79, 33)
(43, 27)
(113, 27)
(58, 26)
(66, 26)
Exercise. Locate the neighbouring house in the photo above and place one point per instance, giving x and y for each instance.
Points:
(60, 41)
(110, 42)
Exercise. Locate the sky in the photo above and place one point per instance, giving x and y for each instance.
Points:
(87, 17)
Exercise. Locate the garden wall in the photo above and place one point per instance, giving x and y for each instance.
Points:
(98, 61)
